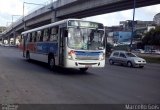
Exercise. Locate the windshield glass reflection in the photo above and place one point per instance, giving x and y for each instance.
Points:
(85, 39)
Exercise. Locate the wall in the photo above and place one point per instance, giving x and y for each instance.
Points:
(122, 36)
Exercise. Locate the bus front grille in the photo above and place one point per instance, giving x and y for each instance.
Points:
(87, 58)
(87, 63)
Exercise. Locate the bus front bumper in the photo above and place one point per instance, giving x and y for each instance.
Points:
(84, 63)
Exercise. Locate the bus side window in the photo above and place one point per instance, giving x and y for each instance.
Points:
(38, 36)
(35, 39)
(29, 37)
(21, 38)
(54, 34)
(24, 37)
(46, 35)
(33, 36)
(41, 35)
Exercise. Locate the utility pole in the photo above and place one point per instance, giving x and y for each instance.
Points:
(24, 13)
(132, 35)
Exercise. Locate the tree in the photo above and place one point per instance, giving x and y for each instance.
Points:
(152, 37)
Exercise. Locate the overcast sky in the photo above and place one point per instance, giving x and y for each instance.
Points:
(15, 7)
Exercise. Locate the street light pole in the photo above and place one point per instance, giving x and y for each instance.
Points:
(30, 4)
(14, 35)
(23, 11)
(24, 7)
(132, 35)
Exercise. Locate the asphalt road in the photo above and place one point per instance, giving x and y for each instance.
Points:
(25, 82)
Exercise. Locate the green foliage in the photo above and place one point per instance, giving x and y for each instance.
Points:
(151, 59)
(152, 37)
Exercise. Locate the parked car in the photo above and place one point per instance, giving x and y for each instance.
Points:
(155, 51)
(138, 51)
(126, 58)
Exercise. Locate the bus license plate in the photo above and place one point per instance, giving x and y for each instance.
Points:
(87, 66)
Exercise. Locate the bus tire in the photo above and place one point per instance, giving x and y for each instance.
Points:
(83, 69)
(51, 63)
(27, 56)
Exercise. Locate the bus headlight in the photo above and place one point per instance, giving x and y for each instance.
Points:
(101, 56)
(71, 55)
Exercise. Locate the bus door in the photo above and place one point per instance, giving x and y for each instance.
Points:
(61, 43)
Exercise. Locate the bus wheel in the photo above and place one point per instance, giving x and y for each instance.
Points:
(51, 63)
(83, 69)
(27, 56)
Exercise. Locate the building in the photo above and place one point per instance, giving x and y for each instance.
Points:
(114, 28)
(109, 32)
(110, 38)
(2, 29)
(127, 25)
(156, 19)
(121, 36)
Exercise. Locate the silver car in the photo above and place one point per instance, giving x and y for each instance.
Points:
(126, 58)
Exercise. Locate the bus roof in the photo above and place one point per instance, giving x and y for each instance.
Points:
(45, 26)
(50, 25)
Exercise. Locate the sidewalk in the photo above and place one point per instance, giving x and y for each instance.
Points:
(148, 55)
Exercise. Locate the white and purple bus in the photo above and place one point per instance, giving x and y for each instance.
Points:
(70, 43)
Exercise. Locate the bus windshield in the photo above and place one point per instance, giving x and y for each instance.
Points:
(85, 38)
